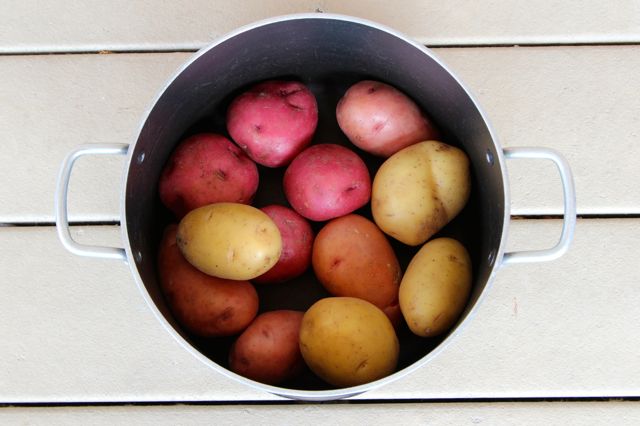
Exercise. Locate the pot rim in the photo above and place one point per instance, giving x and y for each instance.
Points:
(319, 395)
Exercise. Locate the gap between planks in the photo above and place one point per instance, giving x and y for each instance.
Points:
(195, 48)
(514, 217)
(334, 402)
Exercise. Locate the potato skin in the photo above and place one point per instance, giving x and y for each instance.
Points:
(203, 169)
(229, 240)
(352, 257)
(273, 121)
(382, 120)
(435, 287)
(297, 240)
(205, 305)
(326, 181)
(348, 341)
(268, 351)
(420, 189)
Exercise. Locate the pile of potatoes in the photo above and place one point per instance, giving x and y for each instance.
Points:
(221, 247)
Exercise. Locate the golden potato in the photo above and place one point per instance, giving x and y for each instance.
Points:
(420, 189)
(435, 287)
(352, 257)
(348, 341)
(229, 240)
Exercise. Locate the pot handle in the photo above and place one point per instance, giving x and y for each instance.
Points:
(62, 221)
(569, 216)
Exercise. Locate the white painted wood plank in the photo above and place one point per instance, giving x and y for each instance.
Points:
(59, 26)
(577, 100)
(77, 329)
(55, 103)
(503, 413)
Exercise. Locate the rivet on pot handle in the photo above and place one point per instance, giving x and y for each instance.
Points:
(62, 221)
(569, 217)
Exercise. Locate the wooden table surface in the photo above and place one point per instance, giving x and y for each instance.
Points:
(550, 342)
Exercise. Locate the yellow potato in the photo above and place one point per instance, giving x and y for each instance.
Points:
(348, 341)
(435, 287)
(420, 189)
(229, 240)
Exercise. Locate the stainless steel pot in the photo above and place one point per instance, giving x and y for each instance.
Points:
(328, 53)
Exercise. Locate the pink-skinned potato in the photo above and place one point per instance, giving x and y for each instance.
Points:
(206, 168)
(273, 121)
(297, 240)
(382, 120)
(268, 351)
(203, 304)
(326, 181)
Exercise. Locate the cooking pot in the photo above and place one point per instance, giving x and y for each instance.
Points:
(328, 53)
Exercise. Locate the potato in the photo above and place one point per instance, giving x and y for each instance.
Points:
(348, 341)
(420, 189)
(326, 181)
(352, 257)
(382, 120)
(205, 305)
(273, 121)
(268, 351)
(206, 168)
(229, 240)
(435, 287)
(297, 239)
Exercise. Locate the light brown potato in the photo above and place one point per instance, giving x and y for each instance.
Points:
(420, 189)
(352, 257)
(229, 240)
(205, 305)
(435, 287)
(268, 351)
(348, 341)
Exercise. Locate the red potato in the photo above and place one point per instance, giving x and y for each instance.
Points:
(326, 181)
(382, 120)
(205, 305)
(273, 121)
(268, 351)
(206, 168)
(297, 240)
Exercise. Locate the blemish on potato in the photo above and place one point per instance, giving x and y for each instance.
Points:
(225, 315)
(234, 152)
(220, 174)
(442, 147)
(379, 126)
(337, 261)
(362, 365)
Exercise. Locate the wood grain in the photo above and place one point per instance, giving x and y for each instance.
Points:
(78, 330)
(58, 26)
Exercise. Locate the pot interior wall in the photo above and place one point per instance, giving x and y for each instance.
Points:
(328, 55)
